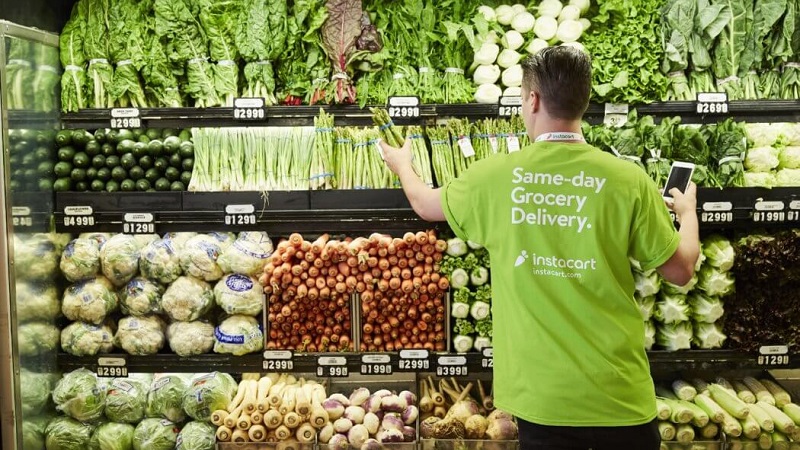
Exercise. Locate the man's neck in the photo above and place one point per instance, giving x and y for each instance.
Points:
(556, 126)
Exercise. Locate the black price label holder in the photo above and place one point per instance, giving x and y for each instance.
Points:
(769, 211)
(138, 223)
(487, 360)
(716, 212)
(509, 106)
(113, 367)
(793, 215)
(404, 107)
(413, 361)
(451, 366)
(250, 108)
(712, 103)
(78, 217)
(773, 355)
(376, 364)
(332, 366)
(278, 361)
(125, 118)
(239, 215)
(21, 216)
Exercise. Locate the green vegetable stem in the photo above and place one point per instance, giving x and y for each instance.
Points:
(388, 130)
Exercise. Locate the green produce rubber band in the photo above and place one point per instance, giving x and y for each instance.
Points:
(98, 61)
(124, 62)
(439, 142)
(385, 126)
(323, 130)
(18, 62)
(360, 187)
(226, 63)
(323, 175)
(343, 141)
(728, 159)
(47, 68)
(72, 68)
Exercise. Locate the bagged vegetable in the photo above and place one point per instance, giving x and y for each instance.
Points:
(140, 297)
(199, 257)
(100, 238)
(33, 432)
(37, 300)
(83, 339)
(196, 436)
(239, 294)
(80, 395)
(64, 433)
(143, 240)
(187, 299)
(178, 240)
(190, 338)
(36, 338)
(34, 391)
(119, 259)
(155, 434)
(165, 398)
(89, 300)
(36, 256)
(112, 436)
(258, 237)
(140, 335)
(81, 259)
(159, 262)
(224, 240)
(126, 400)
(208, 393)
(238, 335)
(244, 256)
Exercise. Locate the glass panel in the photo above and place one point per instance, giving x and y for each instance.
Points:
(31, 98)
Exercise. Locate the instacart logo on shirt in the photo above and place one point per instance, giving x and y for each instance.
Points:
(555, 266)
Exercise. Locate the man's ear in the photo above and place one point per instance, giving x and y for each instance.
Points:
(535, 101)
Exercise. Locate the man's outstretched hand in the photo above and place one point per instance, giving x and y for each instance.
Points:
(397, 159)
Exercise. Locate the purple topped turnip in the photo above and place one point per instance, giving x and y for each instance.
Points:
(502, 430)
(326, 433)
(357, 435)
(371, 444)
(372, 422)
(342, 425)
(359, 396)
(393, 403)
(409, 434)
(410, 415)
(392, 422)
(339, 442)
(343, 400)
(372, 404)
(408, 396)
(386, 436)
(354, 413)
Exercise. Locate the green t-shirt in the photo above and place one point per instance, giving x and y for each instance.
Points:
(559, 221)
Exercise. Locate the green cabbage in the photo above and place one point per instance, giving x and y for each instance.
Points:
(789, 158)
(705, 309)
(119, 259)
(208, 393)
(64, 433)
(140, 297)
(37, 338)
(37, 300)
(34, 391)
(199, 257)
(646, 284)
(675, 336)
(788, 177)
(190, 338)
(112, 436)
(90, 300)
(671, 308)
(239, 294)
(80, 395)
(155, 434)
(165, 397)
(36, 256)
(159, 262)
(81, 259)
(197, 436)
(719, 252)
(708, 335)
(33, 432)
(761, 159)
(141, 335)
(714, 282)
(239, 335)
(760, 179)
(126, 400)
(83, 339)
(187, 299)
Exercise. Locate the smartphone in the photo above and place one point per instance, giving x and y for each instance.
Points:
(679, 177)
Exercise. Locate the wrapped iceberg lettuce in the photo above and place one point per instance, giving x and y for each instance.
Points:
(112, 436)
(84, 339)
(89, 301)
(119, 259)
(190, 338)
(36, 256)
(239, 294)
(64, 433)
(155, 434)
(197, 436)
(33, 432)
(140, 335)
(34, 391)
(187, 299)
(178, 240)
(80, 395)
(244, 256)
(224, 239)
(80, 259)
(165, 397)
(238, 335)
(36, 338)
(159, 262)
(199, 257)
(140, 297)
(37, 300)
(126, 400)
(208, 393)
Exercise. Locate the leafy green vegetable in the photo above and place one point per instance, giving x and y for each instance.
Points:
(46, 78)
(719, 252)
(126, 21)
(34, 391)
(73, 59)
(80, 395)
(197, 436)
(208, 393)
(126, 400)
(165, 398)
(96, 46)
(64, 433)
(219, 19)
(155, 434)
(260, 36)
(728, 52)
(112, 436)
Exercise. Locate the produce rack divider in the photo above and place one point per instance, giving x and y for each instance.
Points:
(30, 119)
(352, 115)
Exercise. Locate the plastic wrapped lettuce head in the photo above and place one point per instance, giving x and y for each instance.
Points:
(89, 301)
(788, 177)
(159, 262)
(759, 179)
(719, 252)
(36, 338)
(199, 258)
(126, 400)
(197, 436)
(646, 306)
(187, 299)
(36, 256)
(259, 237)
(649, 334)
(35, 391)
(64, 433)
(119, 259)
(143, 240)
(33, 432)
(37, 300)
(155, 434)
(708, 336)
(789, 157)
(140, 335)
(243, 256)
(140, 297)
(224, 240)
(83, 339)
(112, 436)
(714, 282)
(178, 240)
(671, 308)
(761, 159)
(238, 335)
(80, 259)
(190, 338)
(165, 397)
(646, 283)
(80, 395)
(239, 294)
(208, 393)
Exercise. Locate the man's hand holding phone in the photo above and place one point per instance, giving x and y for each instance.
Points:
(683, 203)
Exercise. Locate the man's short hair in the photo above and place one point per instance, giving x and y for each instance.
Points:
(562, 77)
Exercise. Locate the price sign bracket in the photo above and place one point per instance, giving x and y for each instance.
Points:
(125, 118)
(278, 360)
(712, 103)
(413, 361)
(138, 223)
(332, 366)
(238, 215)
(404, 107)
(112, 367)
(249, 109)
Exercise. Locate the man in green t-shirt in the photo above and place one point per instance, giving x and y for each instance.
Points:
(560, 220)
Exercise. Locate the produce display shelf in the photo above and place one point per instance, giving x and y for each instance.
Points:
(383, 364)
(744, 110)
(29, 119)
(31, 212)
(351, 211)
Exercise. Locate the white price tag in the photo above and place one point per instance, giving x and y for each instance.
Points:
(465, 144)
(512, 141)
(616, 114)
(125, 118)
